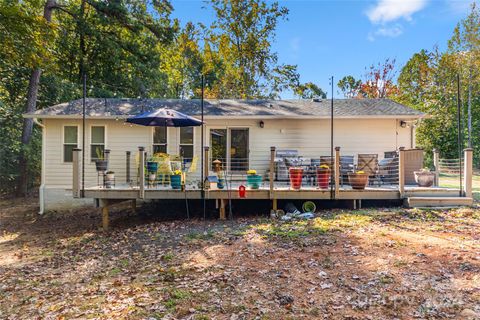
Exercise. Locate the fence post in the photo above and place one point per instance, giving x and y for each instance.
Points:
(205, 165)
(401, 171)
(77, 172)
(436, 165)
(337, 171)
(272, 170)
(468, 172)
(128, 153)
(141, 193)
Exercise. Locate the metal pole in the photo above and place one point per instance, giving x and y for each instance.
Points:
(331, 138)
(83, 131)
(459, 136)
(470, 109)
(202, 142)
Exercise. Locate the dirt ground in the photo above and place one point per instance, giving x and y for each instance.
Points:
(363, 264)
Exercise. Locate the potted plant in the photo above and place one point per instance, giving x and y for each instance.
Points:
(323, 176)
(296, 175)
(100, 163)
(358, 179)
(253, 179)
(424, 178)
(221, 180)
(109, 179)
(152, 165)
(176, 179)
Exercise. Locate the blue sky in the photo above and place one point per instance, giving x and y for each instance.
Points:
(339, 37)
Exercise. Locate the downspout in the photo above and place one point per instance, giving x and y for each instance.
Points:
(41, 190)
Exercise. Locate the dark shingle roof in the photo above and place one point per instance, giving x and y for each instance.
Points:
(344, 108)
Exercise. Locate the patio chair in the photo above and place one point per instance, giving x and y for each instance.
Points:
(368, 163)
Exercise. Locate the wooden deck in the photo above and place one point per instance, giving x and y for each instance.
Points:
(127, 192)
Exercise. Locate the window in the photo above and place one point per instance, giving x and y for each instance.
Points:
(70, 142)
(186, 143)
(97, 142)
(236, 142)
(160, 140)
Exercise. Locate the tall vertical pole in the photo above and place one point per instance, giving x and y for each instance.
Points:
(470, 109)
(331, 138)
(202, 137)
(459, 136)
(83, 131)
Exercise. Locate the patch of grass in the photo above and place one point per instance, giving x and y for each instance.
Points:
(168, 256)
(200, 235)
(175, 296)
(114, 271)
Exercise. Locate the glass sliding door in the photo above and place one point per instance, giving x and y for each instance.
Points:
(218, 146)
(239, 150)
(231, 146)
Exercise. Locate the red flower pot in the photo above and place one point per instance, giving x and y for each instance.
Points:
(323, 178)
(296, 175)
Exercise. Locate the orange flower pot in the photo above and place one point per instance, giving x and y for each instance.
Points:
(323, 178)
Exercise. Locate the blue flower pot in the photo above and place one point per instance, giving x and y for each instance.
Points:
(221, 183)
(152, 166)
(176, 181)
(254, 181)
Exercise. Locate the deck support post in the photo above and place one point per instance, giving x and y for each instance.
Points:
(337, 172)
(77, 172)
(141, 192)
(134, 206)
(401, 172)
(436, 162)
(127, 169)
(468, 172)
(222, 209)
(104, 204)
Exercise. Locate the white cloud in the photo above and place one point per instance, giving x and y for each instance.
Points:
(390, 32)
(390, 10)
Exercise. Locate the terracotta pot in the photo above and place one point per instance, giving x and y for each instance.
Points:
(424, 178)
(358, 181)
(323, 178)
(296, 175)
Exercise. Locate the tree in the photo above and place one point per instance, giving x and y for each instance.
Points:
(310, 90)
(238, 49)
(379, 80)
(350, 86)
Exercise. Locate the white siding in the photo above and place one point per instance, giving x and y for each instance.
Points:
(310, 137)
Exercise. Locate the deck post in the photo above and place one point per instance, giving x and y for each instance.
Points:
(272, 171)
(134, 206)
(141, 192)
(127, 171)
(222, 209)
(105, 218)
(337, 171)
(436, 162)
(468, 172)
(401, 171)
(77, 172)
(205, 164)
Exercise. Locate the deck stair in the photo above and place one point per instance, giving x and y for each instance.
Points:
(425, 202)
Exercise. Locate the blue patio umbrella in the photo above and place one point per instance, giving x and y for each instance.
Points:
(164, 118)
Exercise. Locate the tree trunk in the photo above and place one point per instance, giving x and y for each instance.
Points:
(31, 106)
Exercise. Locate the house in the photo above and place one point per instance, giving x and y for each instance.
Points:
(239, 132)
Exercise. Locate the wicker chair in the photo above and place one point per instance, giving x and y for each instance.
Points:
(368, 163)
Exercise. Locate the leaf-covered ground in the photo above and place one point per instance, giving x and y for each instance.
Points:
(364, 264)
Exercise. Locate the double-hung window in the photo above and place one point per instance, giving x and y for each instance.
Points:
(186, 143)
(70, 142)
(160, 140)
(97, 142)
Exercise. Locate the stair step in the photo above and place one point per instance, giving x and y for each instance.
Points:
(420, 202)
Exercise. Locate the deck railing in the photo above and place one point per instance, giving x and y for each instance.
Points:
(275, 176)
